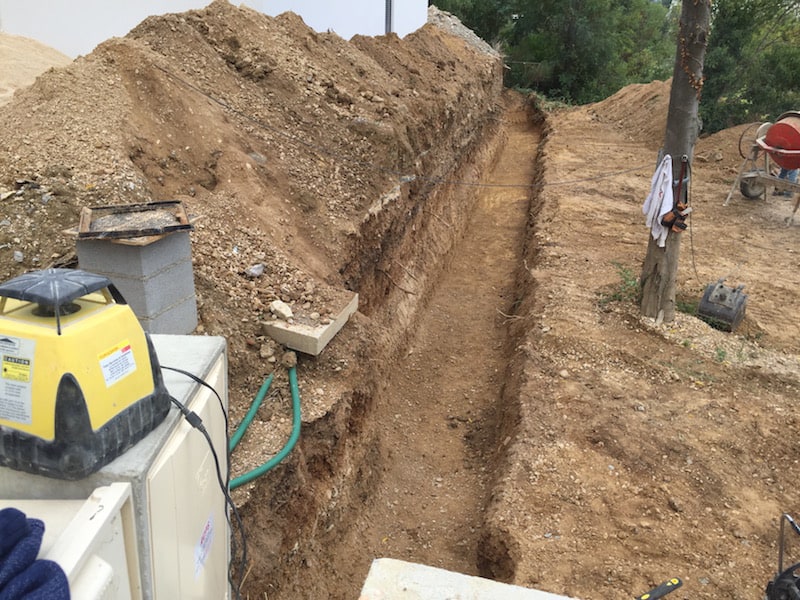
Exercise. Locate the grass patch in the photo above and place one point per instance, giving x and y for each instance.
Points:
(686, 304)
(627, 290)
(720, 354)
(717, 324)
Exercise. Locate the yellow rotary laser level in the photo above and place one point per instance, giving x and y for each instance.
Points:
(80, 380)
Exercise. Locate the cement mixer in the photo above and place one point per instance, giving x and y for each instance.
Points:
(775, 145)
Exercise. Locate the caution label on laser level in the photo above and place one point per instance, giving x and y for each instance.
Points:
(17, 369)
(117, 363)
(16, 379)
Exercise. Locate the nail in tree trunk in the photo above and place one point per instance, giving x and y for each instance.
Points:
(660, 267)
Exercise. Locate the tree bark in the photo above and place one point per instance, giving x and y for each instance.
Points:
(660, 266)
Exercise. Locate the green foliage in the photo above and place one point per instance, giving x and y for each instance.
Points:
(574, 50)
(627, 290)
(686, 305)
(648, 50)
(751, 65)
(720, 353)
(573, 47)
(580, 51)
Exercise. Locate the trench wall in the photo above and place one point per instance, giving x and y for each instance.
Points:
(498, 551)
(402, 246)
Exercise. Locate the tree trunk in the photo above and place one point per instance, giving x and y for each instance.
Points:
(660, 267)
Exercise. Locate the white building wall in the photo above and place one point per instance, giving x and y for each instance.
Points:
(350, 17)
(75, 27)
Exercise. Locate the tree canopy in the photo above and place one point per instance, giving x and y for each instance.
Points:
(581, 51)
(752, 67)
(575, 50)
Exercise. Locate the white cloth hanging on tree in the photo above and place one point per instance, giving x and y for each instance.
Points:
(659, 201)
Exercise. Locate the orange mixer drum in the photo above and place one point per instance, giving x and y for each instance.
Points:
(783, 136)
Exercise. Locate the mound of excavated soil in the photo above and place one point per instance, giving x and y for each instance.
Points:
(295, 133)
(22, 60)
(636, 111)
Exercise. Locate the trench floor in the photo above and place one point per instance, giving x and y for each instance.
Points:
(437, 411)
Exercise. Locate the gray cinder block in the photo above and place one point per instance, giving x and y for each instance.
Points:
(156, 278)
(176, 319)
(140, 260)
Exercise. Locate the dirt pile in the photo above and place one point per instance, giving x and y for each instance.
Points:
(22, 60)
(637, 111)
(297, 134)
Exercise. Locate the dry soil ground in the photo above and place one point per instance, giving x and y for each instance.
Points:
(497, 406)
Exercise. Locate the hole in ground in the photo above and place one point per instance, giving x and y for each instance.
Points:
(416, 451)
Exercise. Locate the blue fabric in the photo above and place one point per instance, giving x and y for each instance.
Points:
(42, 580)
(13, 527)
(22, 576)
(789, 174)
(23, 553)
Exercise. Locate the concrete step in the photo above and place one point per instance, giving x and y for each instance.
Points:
(309, 337)
(391, 579)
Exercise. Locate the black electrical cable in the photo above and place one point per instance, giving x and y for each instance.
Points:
(222, 409)
(197, 423)
(691, 221)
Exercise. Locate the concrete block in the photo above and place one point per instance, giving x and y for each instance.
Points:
(156, 278)
(149, 296)
(136, 261)
(308, 337)
(390, 579)
(180, 318)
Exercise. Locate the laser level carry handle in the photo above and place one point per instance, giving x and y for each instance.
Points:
(662, 590)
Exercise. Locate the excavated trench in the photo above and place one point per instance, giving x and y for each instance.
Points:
(403, 467)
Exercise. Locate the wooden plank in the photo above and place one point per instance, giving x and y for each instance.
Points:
(130, 221)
